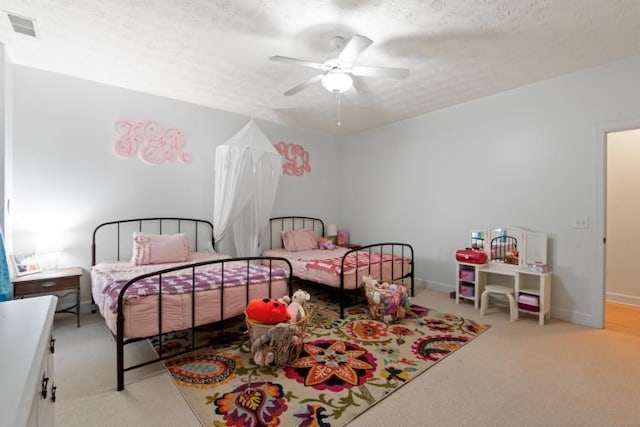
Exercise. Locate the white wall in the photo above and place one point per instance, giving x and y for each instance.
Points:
(67, 176)
(623, 211)
(531, 157)
(314, 194)
(6, 142)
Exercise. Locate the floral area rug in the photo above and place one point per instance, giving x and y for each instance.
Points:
(345, 367)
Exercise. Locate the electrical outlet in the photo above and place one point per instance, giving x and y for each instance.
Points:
(580, 222)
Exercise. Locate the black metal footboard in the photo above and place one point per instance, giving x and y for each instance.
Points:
(399, 252)
(267, 263)
(398, 272)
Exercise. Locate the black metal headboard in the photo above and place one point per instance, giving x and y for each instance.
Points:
(284, 223)
(117, 235)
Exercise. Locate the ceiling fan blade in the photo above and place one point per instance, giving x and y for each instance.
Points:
(354, 48)
(301, 62)
(304, 84)
(386, 72)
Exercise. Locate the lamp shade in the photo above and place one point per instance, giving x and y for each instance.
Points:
(332, 230)
(49, 241)
(336, 82)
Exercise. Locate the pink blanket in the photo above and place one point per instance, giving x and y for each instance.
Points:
(357, 259)
(180, 283)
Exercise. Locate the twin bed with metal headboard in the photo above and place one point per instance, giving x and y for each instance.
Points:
(341, 269)
(152, 276)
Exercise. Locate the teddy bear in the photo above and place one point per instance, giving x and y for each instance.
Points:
(296, 307)
(297, 304)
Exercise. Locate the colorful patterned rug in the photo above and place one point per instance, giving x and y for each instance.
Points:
(345, 367)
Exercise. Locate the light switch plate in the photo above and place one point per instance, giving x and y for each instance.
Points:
(580, 222)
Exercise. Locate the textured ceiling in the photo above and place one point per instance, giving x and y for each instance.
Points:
(215, 52)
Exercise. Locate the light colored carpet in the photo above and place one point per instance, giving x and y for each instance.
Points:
(518, 373)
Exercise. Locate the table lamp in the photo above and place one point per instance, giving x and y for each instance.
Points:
(332, 231)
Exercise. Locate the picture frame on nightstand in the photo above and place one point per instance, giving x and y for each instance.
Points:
(26, 263)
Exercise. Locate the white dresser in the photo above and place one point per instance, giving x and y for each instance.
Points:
(27, 390)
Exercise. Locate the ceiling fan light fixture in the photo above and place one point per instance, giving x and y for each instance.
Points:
(337, 82)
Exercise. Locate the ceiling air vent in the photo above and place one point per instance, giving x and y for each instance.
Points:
(22, 25)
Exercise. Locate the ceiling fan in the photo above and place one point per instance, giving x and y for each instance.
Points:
(336, 72)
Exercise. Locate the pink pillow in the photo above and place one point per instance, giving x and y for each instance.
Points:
(159, 248)
(299, 240)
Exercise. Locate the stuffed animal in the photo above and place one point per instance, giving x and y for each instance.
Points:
(390, 299)
(268, 311)
(274, 338)
(262, 355)
(296, 307)
(324, 243)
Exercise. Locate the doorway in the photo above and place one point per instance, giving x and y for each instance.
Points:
(622, 277)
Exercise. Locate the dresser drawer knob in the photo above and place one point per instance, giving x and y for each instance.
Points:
(48, 284)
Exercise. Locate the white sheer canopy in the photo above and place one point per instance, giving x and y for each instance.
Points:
(247, 171)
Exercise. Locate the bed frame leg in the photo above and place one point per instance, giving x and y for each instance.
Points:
(413, 293)
(120, 349)
(120, 363)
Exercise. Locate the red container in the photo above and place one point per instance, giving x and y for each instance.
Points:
(471, 256)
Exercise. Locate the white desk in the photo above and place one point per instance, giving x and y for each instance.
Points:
(26, 360)
(542, 288)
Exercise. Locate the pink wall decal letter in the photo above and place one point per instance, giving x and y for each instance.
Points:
(296, 158)
(152, 142)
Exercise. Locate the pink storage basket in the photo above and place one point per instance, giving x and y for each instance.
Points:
(468, 275)
(467, 290)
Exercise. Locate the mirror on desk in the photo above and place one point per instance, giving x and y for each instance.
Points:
(504, 245)
(518, 247)
(535, 250)
(477, 239)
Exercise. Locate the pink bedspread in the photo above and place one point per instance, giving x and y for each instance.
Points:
(180, 283)
(303, 262)
(351, 261)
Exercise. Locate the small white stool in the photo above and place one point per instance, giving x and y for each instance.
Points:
(499, 290)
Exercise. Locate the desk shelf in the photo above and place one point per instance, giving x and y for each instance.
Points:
(467, 284)
(528, 278)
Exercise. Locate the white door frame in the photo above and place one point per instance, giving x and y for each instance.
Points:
(600, 156)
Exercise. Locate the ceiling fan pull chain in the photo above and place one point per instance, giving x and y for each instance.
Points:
(339, 108)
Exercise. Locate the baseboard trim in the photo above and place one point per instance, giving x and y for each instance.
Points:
(85, 306)
(622, 298)
(578, 318)
(439, 286)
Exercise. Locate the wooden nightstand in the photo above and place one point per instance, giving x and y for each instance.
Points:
(50, 282)
(352, 246)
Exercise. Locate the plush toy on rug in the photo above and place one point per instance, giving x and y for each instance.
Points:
(297, 305)
(268, 311)
(269, 322)
(271, 345)
(387, 301)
